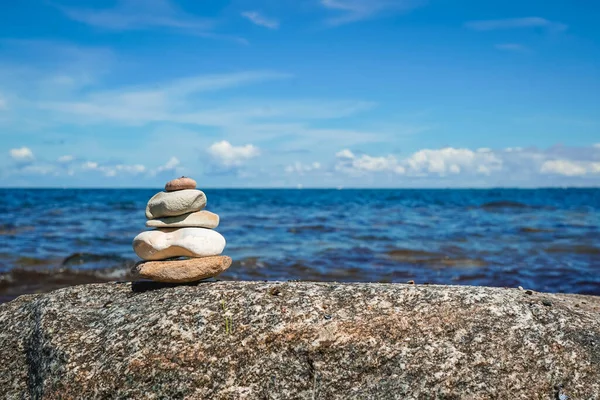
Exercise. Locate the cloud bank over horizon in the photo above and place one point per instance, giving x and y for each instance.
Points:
(456, 167)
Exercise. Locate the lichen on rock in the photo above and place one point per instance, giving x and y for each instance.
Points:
(282, 340)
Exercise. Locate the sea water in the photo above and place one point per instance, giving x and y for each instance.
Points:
(542, 239)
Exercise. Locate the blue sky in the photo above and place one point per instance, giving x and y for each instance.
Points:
(311, 93)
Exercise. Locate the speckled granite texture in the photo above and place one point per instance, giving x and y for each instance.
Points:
(298, 340)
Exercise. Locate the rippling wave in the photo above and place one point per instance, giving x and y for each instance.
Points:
(546, 239)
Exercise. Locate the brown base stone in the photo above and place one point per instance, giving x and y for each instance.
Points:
(180, 271)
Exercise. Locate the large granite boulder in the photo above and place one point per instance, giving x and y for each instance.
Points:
(276, 340)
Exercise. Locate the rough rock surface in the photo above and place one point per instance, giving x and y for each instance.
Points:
(170, 204)
(200, 219)
(236, 340)
(178, 271)
(161, 244)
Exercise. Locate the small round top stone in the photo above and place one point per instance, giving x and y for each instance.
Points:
(180, 184)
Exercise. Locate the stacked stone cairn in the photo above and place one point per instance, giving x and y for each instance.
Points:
(183, 247)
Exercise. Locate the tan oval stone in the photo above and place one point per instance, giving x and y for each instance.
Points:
(171, 204)
(180, 184)
(199, 219)
(180, 271)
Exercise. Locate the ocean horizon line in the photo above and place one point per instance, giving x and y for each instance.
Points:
(304, 188)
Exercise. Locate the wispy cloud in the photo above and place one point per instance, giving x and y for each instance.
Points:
(139, 14)
(514, 47)
(258, 19)
(65, 159)
(146, 14)
(357, 10)
(301, 169)
(112, 170)
(167, 102)
(70, 166)
(51, 67)
(515, 23)
(190, 103)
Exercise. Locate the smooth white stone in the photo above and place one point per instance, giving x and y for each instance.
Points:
(200, 219)
(161, 244)
(170, 204)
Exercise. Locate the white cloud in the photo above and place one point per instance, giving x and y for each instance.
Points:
(89, 165)
(231, 156)
(114, 170)
(356, 10)
(514, 166)
(350, 163)
(453, 161)
(258, 19)
(172, 163)
(556, 166)
(65, 159)
(596, 145)
(424, 162)
(345, 153)
(570, 168)
(170, 166)
(22, 154)
(3, 103)
(300, 168)
(375, 164)
(515, 23)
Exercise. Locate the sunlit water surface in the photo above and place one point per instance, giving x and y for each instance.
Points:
(546, 239)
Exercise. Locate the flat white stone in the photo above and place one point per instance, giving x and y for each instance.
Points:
(170, 204)
(199, 219)
(161, 244)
